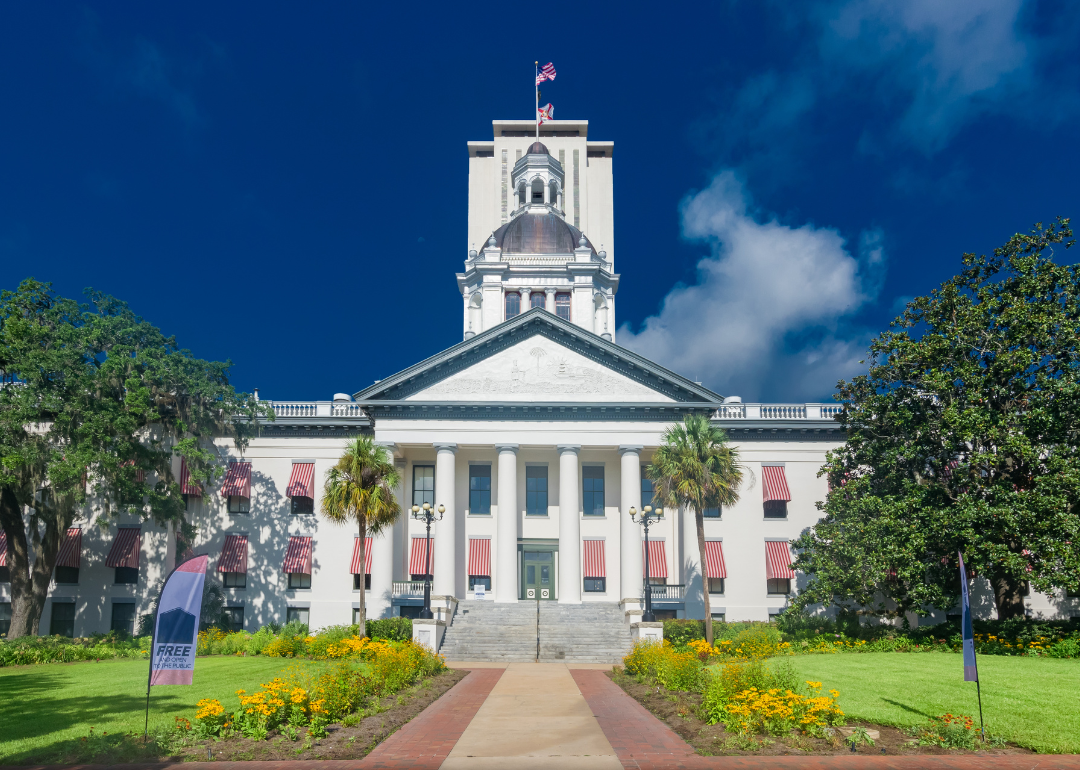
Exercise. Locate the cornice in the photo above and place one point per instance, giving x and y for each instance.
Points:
(522, 411)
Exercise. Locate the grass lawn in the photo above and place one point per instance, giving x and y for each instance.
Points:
(44, 707)
(1034, 702)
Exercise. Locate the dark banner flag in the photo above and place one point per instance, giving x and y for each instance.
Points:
(971, 670)
(176, 628)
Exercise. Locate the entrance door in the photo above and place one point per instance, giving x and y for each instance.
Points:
(539, 577)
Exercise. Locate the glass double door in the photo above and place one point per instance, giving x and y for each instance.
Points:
(538, 575)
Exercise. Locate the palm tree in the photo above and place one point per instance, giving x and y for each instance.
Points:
(360, 488)
(696, 468)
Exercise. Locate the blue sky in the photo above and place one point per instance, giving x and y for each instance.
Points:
(285, 186)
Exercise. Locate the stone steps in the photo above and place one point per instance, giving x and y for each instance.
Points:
(588, 633)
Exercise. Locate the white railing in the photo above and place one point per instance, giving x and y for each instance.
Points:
(317, 409)
(294, 408)
(778, 411)
(408, 587)
(783, 412)
(670, 592)
(339, 409)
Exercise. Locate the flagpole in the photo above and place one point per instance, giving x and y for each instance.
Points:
(536, 91)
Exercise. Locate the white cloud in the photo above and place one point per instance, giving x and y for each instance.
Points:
(947, 61)
(764, 318)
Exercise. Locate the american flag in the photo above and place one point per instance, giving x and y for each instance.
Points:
(545, 113)
(547, 72)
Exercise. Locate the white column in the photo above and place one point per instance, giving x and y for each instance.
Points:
(382, 560)
(569, 525)
(525, 306)
(506, 531)
(547, 193)
(692, 571)
(629, 532)
(549, 305)
(445, 531)
(401, 527)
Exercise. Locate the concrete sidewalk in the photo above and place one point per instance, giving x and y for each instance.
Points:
(534, 717)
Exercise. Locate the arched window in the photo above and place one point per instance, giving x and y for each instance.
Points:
(513, 305)
(537, 191)
(537, 299)
(562, 306)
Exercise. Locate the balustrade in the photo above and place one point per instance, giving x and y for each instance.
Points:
(674, 592)
(408, 588)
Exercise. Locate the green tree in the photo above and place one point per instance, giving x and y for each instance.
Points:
(94, 402)
(964, 435)
(360, 488)
(696, 468)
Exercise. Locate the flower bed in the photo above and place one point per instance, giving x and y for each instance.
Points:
(730, 699)
(362, 669)
(31, 650)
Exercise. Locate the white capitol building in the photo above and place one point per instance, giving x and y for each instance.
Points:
(532, 433)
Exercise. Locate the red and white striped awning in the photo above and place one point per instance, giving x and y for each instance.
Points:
(186, 487)
(775, 483)
(657, 559)
(302, 482)
(237, 481)
(125, 548)
(298, 556)
(714, 559)
(3, 548)
(234, 554)
(479, 557)
(140, 474)
(594, 559)
(70, 549)
(355, 568)
(183, 549)
(416, 556)
(778, 560)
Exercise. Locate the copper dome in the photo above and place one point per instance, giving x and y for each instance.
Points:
(537, 149)
(538, 234)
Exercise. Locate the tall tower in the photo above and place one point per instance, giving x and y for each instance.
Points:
(527, 225)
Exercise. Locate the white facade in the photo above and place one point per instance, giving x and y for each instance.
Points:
(538, 399)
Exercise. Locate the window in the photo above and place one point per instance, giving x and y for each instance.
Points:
(303, 505)
(233, 617)
(479, 489)
(483, 580)
(238, 504)
(716, 585)
(719, 617)
(776, 509)
(123, 618)
(1072, 593)
(537, 299)
(536, 490)
(592, 481)
(648, 489)
(297, 615)
(513, 304)
(66, 575)
(595, 585)
(356, 582)
(5, 619)
(189, 502)
(126, 576)
(779, 585)
(711, 513)
(562, 305)
(299, 580)
(423, 486)
(412, 611)
(657, 581)
(62, 621)
(234, 579)
(416, 577)
(5, 574)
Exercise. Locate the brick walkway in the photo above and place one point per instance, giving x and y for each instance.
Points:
(643, 742)
(425, 742)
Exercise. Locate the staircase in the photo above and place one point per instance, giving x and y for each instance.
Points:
(572, 633)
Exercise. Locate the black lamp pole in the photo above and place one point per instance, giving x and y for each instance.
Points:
(648, 515)
(427, 516)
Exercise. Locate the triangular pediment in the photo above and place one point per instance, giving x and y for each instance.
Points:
(537, 358)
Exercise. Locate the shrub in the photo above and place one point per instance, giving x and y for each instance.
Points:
(392, 629)
(32, 650)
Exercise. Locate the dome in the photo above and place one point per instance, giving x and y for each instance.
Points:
(537, 149)
(544, 233)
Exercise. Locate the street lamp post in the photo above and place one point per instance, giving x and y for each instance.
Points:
(427, 515)
(647, 517)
